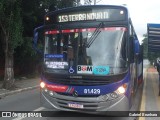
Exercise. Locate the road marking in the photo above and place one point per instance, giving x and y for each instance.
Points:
(156, 90)
(38, 109)
(142, 108)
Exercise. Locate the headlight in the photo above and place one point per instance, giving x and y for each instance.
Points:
(122, 89)
(42, 85)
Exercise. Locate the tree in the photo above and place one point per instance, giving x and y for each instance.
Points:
(33, 12)
(16, 16)
(151, 56)
(145, 46)
(11, 27)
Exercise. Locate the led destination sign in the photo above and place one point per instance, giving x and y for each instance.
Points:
(109, 14)
(83, 16)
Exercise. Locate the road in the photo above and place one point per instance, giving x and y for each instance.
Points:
(30, 101)
(150, 99)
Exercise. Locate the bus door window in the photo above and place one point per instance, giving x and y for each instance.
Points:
(50, 43)
(64, 46)
(59, 44)
(70, 50)
(85, 37)
(70, 46)
(81, 52)
(124, 51)
(83, 59)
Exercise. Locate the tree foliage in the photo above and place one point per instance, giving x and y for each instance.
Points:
(11, 36)
(151, 56)
(145, 47)
(18, 18)
(33, 12)
(11, 23)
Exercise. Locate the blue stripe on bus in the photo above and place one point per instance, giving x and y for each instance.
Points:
(104, 89)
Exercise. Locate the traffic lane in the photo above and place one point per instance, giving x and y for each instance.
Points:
(30, 101)
(152, 92)
(155, 85)
(89, 118)
(77, 116)
(150, 98)
(23, 101)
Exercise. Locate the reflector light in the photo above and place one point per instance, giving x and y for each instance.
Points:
(42, 84)
(114, 95)
(103, 97)
(45, 90)
(51, 93)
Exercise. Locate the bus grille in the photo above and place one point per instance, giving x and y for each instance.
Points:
(81, 82)
(89, 104)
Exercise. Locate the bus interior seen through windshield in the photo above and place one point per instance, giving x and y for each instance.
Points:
(101, 46)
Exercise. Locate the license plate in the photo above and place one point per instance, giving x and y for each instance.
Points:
(75, 105)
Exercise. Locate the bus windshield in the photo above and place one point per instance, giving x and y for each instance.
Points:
(86, 51)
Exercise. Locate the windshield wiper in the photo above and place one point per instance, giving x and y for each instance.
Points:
(94, 36)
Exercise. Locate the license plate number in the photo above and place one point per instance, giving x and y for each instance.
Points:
(75, 105)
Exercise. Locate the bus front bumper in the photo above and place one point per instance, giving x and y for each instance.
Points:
(87, 104)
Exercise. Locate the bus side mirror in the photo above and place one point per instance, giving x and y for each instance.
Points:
(36, 37)
(137, 47)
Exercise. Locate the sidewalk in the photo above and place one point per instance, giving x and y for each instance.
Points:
(152, 70)
(22, 85)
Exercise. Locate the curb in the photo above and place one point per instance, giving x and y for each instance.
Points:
(17, 91)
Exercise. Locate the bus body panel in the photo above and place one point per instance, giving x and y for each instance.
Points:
(91, 98)
(90, 104)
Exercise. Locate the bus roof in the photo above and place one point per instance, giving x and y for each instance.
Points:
(79, 8)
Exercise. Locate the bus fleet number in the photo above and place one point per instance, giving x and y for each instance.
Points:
(92, 91)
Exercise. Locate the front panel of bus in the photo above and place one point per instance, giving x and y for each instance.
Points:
(86, 60)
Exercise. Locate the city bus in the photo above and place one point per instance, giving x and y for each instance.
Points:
(92, 59)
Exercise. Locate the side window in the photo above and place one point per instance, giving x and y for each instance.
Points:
(131, 43)
(131, 30)
(124, 48)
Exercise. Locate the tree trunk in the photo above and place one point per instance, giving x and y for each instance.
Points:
(9, 72)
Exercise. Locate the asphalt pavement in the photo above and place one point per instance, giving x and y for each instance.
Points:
(150, 99)
(22, 84)
(27, 93)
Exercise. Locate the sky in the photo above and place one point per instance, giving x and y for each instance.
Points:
(141, 12)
